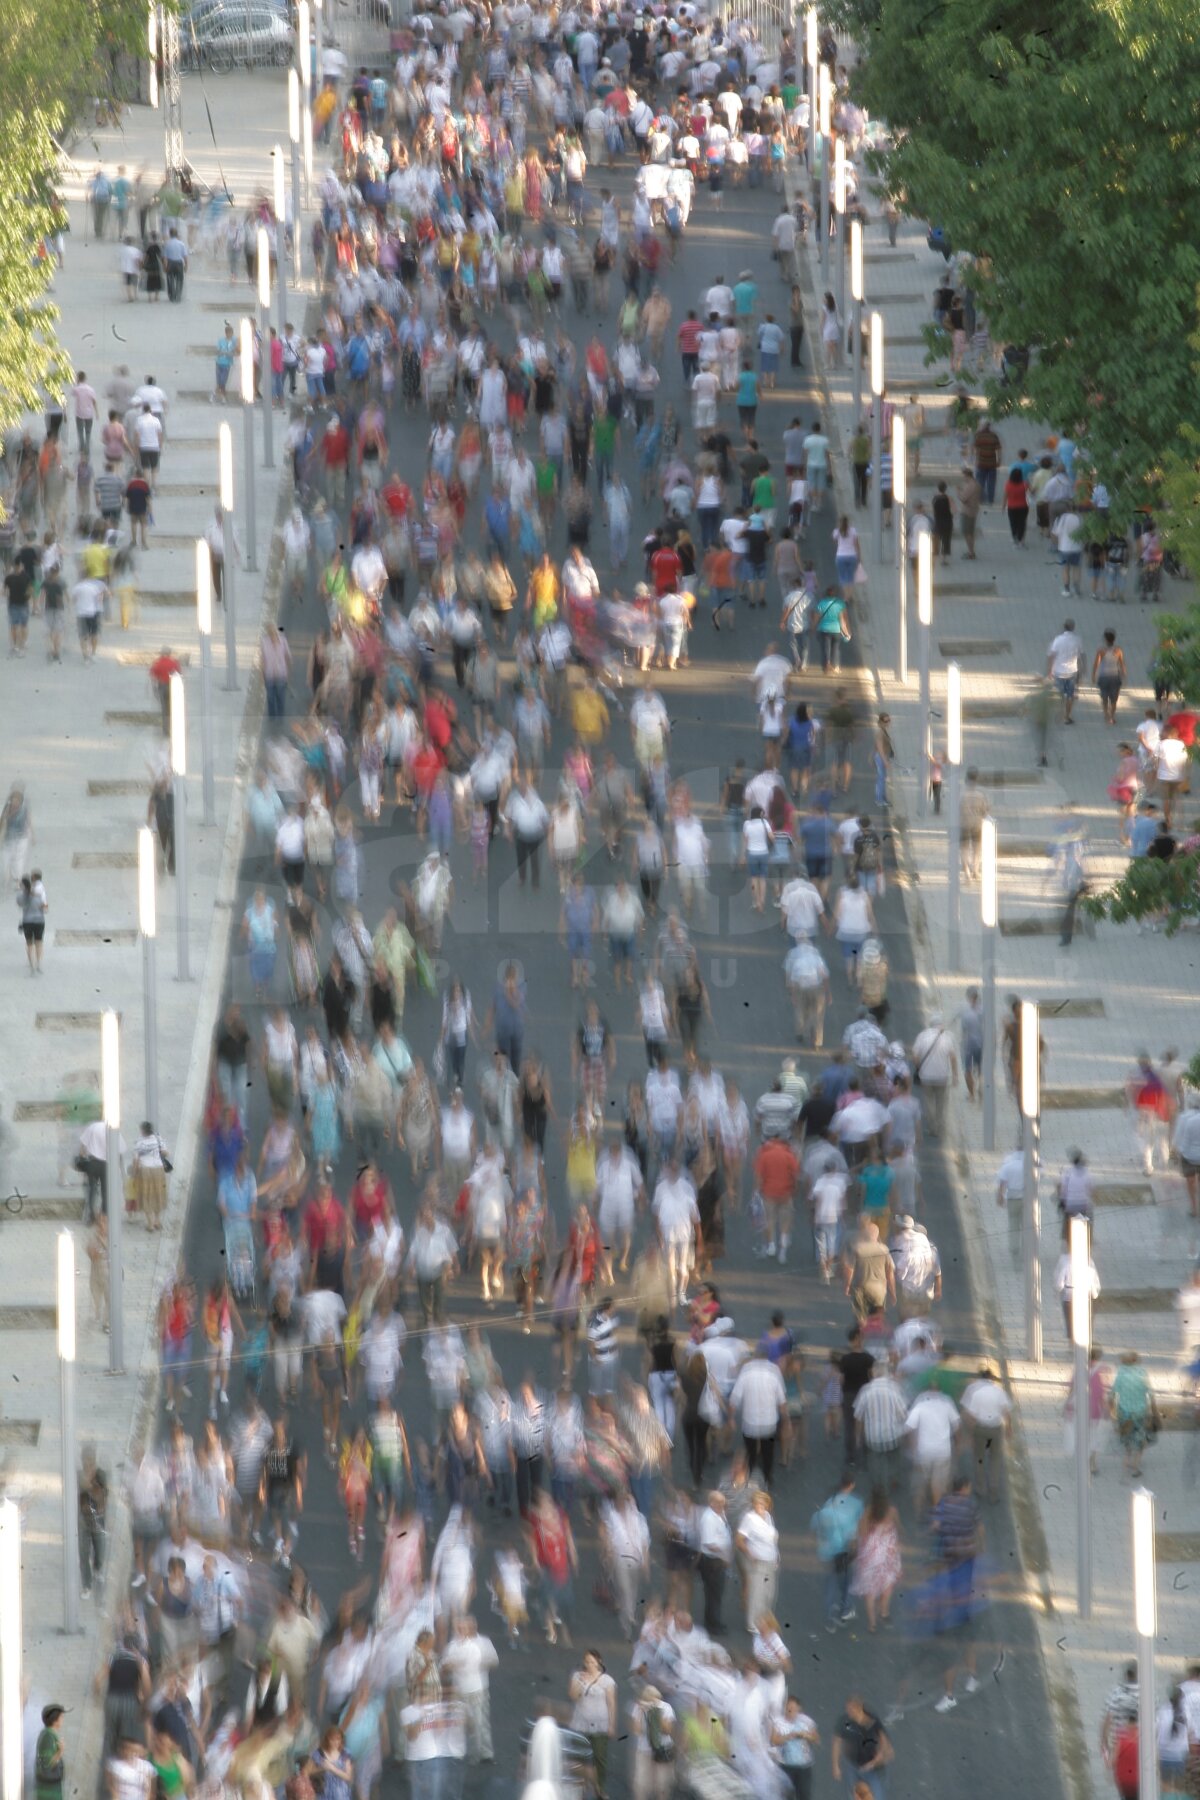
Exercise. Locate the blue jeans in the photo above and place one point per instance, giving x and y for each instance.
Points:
(276, 692)
(831, 649)
(234, 1084)
(987, 481)
(642, 1488)
(880, 779)
(837, 1585)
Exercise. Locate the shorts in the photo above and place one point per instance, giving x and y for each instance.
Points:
(757, 867)
(620, 948)
(579, 944)
(1066, 683)
(149, 458)
(1188, 1168)
(34, 932)
(18, 616)
(222, 377)
(90, 626)
(1070, 559)
(818, 867)
(972, 1060)
(293, 874)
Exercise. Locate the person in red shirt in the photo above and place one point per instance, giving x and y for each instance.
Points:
(161, 671)
(688, 340)
(775, 1170)
(439, 722)
(427, 765)
(396, 496)
(666, 570)
(1183, 723)
(327, 1240)
(335, 454)
(370, 1199)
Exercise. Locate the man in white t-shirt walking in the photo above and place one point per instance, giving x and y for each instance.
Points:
(935, 1070)
(1064, 660)
(678, 1219)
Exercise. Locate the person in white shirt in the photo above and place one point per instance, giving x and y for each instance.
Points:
(625, 1537)
(936, 1063)
(758, 1546)
(678, 1220)
(716, 1558)
(933, 1420)
(468, 1660)
(1064, 660)
(988, 1410)
(759, 1401)
(691, 859)
(1010, 1193)
(619, 1188)
(490, 1194)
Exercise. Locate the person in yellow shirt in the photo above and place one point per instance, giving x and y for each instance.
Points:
(541, 598)
(96, 560)
(589, 714)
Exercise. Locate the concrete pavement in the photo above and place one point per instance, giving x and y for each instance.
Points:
(1105, 998)
(82, 739)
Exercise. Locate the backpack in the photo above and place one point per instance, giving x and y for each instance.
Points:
(662, 1748)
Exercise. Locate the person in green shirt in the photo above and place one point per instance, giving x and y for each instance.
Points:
(762, 496)
(942, 1378)
(48, 1756)
(604, 444)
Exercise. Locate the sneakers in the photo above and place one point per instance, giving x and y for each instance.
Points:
(971, 1685)
(848, 1615)
(946, 1704)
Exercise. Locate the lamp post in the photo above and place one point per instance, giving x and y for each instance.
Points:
(204, 627)
(839, 207)
(12, 1700)
(1145, 1618)
(294, 140)
(179, 791)
(110, 1090)
(148, 927)
(924, 622)
(264, 354)
(152, 54)
(877, 436)
(1031, 1113)
(813, 47)
(900, 514)
(857, 295)
(954, 763)
(319, 23)
(228, 582)
(246, 335)
(279, 184)
(989, 898)
(825, 126)
(66, 1385)
(1081, 1339)
(304, 58)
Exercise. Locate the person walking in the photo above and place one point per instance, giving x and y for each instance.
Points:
(1108, 675)
(1016, 504)
(935, 1070)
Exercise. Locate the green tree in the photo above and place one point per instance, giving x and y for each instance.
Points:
(1058, 146)
(32, 363)
(53, 54)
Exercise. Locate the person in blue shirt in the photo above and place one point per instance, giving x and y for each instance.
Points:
(836, 1528)
(498, 515)
(358, 356)
(747, 394)
(1144, 828)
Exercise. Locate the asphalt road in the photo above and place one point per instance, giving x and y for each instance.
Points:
(1000, 1740)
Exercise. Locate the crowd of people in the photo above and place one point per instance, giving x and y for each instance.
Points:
(492, 667)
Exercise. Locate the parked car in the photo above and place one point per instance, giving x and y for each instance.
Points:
(222, 34)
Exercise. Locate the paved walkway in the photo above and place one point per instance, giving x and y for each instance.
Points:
(82, 738)
(1106, 997)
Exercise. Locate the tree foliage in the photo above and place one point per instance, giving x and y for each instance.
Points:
(1059, 146)
(1152, 889)
(53, 54)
